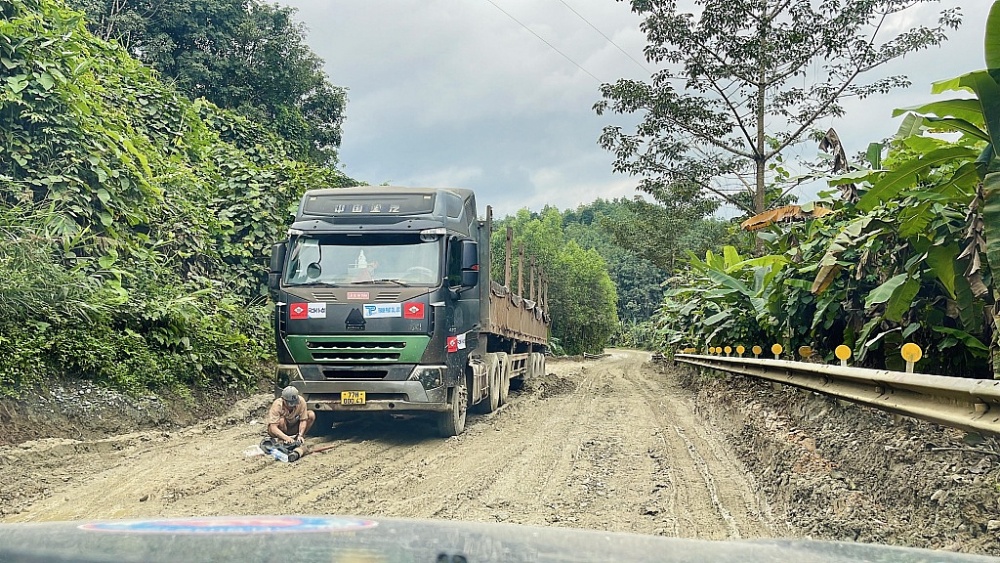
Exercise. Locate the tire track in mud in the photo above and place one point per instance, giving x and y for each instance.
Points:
(527, 476)
(736, 500)
(605, 444)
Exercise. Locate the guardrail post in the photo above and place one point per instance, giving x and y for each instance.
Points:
(805, 352)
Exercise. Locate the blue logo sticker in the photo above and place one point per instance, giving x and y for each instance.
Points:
(235, 525)
(383, 310)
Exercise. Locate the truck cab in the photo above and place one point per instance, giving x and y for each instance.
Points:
(379, 301)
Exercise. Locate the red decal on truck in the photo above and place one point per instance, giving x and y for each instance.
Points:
(452, 344)
(298, 311)
(413, 310)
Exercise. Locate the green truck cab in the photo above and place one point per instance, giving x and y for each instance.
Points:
(384, 303)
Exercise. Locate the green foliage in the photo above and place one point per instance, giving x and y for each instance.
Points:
(582, 299)
(136, 223)
(912, 259)
(638, 281)
(902, 264)
(663, 233)
(243, 55)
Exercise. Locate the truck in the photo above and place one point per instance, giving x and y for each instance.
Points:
(385, 302)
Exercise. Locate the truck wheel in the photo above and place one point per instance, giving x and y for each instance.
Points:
(452, 422)
(536, 365)
(492, 400)
(504, 377)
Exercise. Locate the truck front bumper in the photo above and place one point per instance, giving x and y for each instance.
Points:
(394, 396)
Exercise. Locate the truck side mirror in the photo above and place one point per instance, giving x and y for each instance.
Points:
(277, 262)
(470, 264)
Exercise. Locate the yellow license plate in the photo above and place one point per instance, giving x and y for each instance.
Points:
(352, 397)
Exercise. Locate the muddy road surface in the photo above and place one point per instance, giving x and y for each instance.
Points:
(607, 444)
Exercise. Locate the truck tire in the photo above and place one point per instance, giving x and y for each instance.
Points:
(536, 365)
(492, 400)
(504, 377)
(452, 422)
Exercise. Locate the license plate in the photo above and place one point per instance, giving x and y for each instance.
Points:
(352, 397)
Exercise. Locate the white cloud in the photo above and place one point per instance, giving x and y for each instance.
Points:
(451, 177)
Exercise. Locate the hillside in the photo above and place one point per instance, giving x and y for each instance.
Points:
(136, 221)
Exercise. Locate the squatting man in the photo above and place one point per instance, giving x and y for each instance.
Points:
(289, 419)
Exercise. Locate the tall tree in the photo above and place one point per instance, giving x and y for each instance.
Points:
(243, 55)
(637, 280)
(582, 298)
(662, 233)
(743, 80)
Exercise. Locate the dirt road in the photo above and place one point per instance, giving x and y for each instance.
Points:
(607, 444)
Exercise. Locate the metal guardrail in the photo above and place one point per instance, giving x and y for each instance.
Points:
(969, 404)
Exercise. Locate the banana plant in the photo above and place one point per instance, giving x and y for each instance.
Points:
(908, 256)
(930, 180)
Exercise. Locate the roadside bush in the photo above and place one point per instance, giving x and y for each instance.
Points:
(135, 224)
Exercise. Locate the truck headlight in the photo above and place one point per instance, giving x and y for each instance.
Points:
(428, 376)
(285, 374)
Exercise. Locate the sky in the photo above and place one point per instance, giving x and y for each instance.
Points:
(497, 95)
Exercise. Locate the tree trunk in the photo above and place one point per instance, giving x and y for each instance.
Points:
(759, 160)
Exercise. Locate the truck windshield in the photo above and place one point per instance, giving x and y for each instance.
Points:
(371, 259)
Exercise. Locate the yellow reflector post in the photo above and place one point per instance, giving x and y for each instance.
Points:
(805, 351)
(757, 350)
(843, 354)
(776, 350)
(728, 350)
(740, 349)
(912, 354)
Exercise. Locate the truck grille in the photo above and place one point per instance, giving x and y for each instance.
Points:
(387, 297)
(356, 356)
(355, 351)
(355, 345)
(324, 296)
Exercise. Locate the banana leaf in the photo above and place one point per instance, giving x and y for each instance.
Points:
(906, 175)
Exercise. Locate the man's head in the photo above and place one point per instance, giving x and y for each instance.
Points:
(290, 395)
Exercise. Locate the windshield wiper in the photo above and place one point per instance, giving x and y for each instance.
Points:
(381, 280)
(313, 284)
